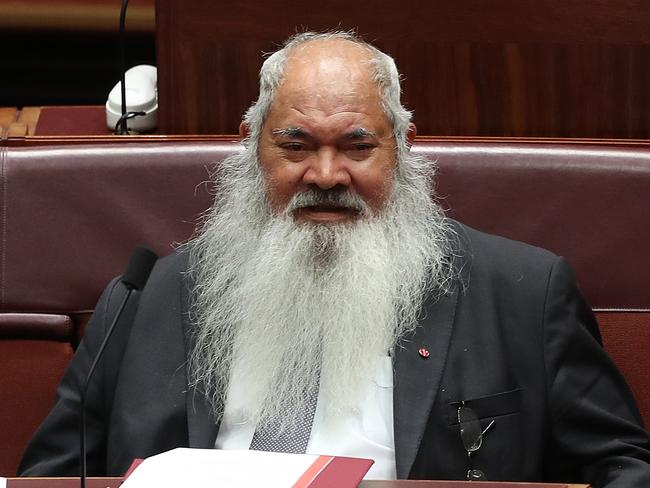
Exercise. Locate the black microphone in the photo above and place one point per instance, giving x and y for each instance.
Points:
(139, 268)
(134, 278)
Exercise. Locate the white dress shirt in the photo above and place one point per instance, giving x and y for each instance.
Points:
(366, 434)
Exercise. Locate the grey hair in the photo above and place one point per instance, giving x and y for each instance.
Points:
(385, 75)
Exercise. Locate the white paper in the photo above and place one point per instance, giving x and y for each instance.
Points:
(3, 482)
(222, 468)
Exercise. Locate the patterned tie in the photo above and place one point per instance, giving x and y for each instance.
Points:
(272, 438)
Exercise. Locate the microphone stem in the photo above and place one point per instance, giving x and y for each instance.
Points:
(123, 127)
(84, 391)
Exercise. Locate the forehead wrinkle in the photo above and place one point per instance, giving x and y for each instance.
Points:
(323, 115)
(320, 104)
(320, 117)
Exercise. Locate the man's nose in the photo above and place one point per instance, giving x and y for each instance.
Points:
(326, 170)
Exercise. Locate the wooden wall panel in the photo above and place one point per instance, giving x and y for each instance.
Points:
(91, 16)
(547, 68)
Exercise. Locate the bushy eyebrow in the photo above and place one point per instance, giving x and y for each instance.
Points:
(299, 133)
(360, 133)
(296, 132)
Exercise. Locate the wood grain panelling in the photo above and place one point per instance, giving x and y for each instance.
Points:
(556, 68)
(75, 15)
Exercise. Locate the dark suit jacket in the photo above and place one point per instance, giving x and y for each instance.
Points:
(514, 339)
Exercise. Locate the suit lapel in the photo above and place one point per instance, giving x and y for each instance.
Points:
(417, 378)
(201, 427)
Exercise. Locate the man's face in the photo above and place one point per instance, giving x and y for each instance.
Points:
(326, 130)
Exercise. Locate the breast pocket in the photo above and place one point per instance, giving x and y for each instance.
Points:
(500, 453)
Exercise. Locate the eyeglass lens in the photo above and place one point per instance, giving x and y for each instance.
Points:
(470, 429)
(471, 435)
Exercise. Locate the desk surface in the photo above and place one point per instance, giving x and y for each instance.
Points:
(115, 483)
(71, 120)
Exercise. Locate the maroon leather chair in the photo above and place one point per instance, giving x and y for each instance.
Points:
(71, 211)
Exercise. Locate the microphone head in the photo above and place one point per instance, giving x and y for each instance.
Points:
(139, 268)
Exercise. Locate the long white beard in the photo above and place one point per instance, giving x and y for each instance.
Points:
(273, 297)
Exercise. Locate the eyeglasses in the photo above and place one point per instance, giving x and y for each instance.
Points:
(472, 437)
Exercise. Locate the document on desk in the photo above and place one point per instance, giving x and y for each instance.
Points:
(3, 482)
(235, 468)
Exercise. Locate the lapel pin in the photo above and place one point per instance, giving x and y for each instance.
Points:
(423, 352)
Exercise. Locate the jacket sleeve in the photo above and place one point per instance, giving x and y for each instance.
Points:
(597, 432)
(54, 449)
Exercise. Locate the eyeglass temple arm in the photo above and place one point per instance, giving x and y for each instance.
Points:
(489, 426)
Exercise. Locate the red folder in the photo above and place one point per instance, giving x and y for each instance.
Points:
(328, 471)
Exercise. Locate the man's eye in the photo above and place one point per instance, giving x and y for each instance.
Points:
(362, 147)
(294, 151)
(360, 150)
(293, 147)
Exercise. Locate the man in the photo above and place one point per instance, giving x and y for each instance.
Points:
(324, 271)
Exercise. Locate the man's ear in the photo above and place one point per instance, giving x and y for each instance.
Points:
(244, 130)
(411, 133)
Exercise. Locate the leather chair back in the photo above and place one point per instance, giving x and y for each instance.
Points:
(72, 211)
